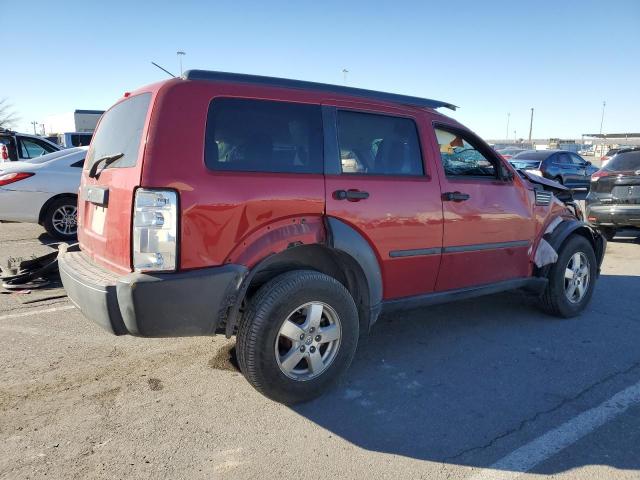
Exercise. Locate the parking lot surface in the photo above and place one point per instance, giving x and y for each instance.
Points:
(487, 388)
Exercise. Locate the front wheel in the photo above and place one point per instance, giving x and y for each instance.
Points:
(571, 279)
(298, 336)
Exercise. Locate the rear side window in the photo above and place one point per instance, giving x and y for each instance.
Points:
(625, 161)
(263, 136)
(120, 131)
(378, 144)
(80, 140)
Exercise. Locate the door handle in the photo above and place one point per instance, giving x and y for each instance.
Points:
(455, 197)
(351, 195)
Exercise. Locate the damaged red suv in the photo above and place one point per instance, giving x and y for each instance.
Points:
(292, 214)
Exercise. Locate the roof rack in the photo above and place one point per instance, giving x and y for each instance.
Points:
(324, 87)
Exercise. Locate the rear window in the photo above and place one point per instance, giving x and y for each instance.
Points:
(120, 131)
(624, 162)
(532, 155)
(263, 136)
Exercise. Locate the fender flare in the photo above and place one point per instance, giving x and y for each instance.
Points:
(341, 238)
(567, 227)
(344, 238)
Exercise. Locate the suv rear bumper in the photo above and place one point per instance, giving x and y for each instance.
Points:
(614, 215)
(150, 304)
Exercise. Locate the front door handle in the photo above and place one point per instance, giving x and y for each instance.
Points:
(351, 195)
(455, 196)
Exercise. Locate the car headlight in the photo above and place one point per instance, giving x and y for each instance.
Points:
(535, 171)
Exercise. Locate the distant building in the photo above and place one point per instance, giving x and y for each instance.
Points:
(84, 121)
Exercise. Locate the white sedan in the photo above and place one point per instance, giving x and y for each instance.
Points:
(43, 190)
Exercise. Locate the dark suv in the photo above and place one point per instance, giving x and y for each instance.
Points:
(567, 168)
(292, 214)
(613, 202)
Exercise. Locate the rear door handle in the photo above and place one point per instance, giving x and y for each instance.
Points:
(455, 196)
(351, 195)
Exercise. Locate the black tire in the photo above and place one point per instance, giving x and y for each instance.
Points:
(608, 232)
(259, 327)
(48, 220)
(554, 299)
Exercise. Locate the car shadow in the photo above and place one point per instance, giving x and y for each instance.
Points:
(467, 383)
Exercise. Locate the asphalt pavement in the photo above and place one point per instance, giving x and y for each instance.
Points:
(486, 388)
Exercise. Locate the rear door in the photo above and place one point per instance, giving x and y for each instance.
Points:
(105, 202)
(488, 221)
(377, 181)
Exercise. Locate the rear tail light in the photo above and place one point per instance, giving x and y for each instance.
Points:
(599, 174)
(8, 178)
(155, 226)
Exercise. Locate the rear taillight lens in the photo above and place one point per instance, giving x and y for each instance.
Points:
(155, 226)
(8, 178)
(599, 174)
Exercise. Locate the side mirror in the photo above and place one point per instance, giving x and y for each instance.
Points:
(587, 163)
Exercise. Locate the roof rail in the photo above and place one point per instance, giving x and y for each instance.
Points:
(324, 87)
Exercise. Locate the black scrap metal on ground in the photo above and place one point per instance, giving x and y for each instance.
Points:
(34, 273)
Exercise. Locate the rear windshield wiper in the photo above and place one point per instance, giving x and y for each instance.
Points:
(106, 160)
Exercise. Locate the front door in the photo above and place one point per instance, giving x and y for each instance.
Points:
(488, 218)
(378, 183)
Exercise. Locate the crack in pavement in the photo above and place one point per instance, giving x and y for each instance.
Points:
(537, 415)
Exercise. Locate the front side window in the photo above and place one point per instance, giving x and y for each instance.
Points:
(378, 144)
(461, 158)
(263, 136)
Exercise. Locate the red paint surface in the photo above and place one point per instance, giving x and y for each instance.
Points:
(243, 217)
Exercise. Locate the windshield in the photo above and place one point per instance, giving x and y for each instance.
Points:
(624, 162)
(120, 131)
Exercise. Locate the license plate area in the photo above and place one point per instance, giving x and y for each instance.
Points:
(626, 193)
(98, 217)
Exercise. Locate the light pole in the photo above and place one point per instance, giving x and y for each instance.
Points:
(531, 125)
(34, 123)
(344, 75)
(604, 104)
(508, 118)
(180, 54)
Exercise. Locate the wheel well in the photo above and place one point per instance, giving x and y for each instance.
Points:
(323, 259)
(47, 204)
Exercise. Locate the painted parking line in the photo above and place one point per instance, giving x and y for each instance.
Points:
(36, 312)
(523, 459)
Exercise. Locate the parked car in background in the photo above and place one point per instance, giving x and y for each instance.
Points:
(43, 190)
(589, 151)
(613, 202)
(297, 213)
(74, 139)
(610, 153)
(565, 167)
(22, 146)
(507, 153)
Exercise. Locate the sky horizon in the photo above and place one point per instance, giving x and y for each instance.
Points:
(489, 58)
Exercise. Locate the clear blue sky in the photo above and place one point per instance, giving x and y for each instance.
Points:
(561, 57)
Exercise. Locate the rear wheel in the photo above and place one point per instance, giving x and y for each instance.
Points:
(571, 279)
(298, 337)
(61, 218)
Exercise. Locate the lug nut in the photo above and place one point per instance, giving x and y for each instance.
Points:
(312, 349)
(302, 348)
(302, 336)
(318, 338)
(312, 329)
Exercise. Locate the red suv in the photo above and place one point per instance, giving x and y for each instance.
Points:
(291, 214)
